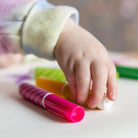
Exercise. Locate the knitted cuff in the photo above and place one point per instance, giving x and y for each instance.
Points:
(43, 26)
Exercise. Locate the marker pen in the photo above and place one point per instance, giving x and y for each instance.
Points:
(50, 73)
(62, 89)
(53, 103)
(127, 71)
(57, 87)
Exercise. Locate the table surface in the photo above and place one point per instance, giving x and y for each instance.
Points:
(20, 118)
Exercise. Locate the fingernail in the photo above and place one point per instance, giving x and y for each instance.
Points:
(81, 103)
(113, 96)
(92, 105)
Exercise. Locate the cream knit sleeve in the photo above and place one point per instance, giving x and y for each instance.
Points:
(42, 27)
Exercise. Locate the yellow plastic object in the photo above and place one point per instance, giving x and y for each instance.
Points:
(57, 87)
(62, 89)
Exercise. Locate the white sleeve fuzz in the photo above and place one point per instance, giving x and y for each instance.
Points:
(42, 27)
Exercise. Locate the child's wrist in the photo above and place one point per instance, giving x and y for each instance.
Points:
(66, 32)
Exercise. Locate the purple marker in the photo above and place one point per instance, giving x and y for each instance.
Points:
(55, 104)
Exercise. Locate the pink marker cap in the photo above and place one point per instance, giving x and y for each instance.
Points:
(64, 108)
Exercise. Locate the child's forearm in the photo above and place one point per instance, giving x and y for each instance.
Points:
(32, 26)
(8, 6)
(12, 15)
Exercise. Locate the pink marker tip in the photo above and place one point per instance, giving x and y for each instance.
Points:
(77, 114)
(64, 108)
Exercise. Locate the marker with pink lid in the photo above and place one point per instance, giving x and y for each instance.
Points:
(57, 105)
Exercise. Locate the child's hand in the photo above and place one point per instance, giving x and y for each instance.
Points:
(85, 62)
(7, 60)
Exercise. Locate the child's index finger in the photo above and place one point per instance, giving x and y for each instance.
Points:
(99, 76)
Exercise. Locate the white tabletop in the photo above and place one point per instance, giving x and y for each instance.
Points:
(20, 118)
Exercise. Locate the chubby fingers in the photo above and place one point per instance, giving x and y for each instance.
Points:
(102, 75)
(70, 76)
(99, 73)
(112, 83)
(82, 75)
